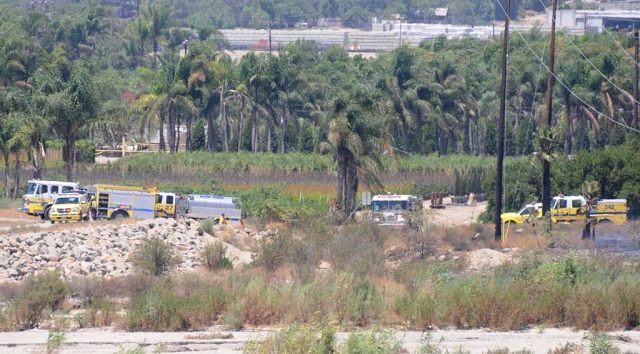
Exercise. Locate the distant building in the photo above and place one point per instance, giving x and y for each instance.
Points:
(441, 14)
(330, 22)
(596, 20)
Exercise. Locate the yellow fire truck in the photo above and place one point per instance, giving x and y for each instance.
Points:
(118, 202)
(41, 195)
(574, 208)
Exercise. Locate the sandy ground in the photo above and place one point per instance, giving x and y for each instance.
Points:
(453, 214)
(474, 341)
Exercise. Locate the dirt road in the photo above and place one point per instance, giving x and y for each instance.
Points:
(474, 341)
(454, 214)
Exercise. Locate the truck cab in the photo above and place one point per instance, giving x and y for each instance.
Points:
(165, 206)
(41, 195)
(523, 215)
(568, 208)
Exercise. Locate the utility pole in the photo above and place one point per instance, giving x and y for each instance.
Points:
(501, 119)
(546, 172)
(269, 32)
(635, 85)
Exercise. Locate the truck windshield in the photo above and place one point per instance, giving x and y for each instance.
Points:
(31, 188)
(66, 200)
(389, 205)
(524, 211)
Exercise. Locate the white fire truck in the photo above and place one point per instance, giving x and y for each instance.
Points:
(394, 209)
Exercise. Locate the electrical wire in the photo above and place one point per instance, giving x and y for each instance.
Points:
(590, 62)
(563, 84)
(619, 46)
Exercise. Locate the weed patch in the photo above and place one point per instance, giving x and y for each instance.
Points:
(154, 257)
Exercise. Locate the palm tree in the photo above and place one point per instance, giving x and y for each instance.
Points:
(173, 99)
(158, 22)
(357, 138)
(288, 82)
(71, 106)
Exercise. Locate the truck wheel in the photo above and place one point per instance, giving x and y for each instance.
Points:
(604, 221)
(47, 212)
(42, 217)
(53, 222)
(118, 215)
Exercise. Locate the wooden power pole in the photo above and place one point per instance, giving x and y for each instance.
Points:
(500, 150)
(546, 172)
(635, 85)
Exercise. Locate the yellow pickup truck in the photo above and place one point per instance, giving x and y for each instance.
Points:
(521, 216)
(69, 207)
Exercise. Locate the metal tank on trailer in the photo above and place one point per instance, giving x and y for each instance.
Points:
(207, 206)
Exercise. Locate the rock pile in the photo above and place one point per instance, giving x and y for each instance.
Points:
(486, 259)
(106, 250)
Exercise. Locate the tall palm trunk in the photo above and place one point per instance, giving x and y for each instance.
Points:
(418, 146)
(340, 188)
(254, 124)
(211, 136)
(352, 189)
(283, 121)
(567, 142)
(163, 146)
(155, 53)
(177, 131)
(405, 134)
(16, 178)
(241, 123)
(67, 153)
(223, 128)
(6, 175)
(227, 122)
(172, 136)
(269, 127)
(188, 138)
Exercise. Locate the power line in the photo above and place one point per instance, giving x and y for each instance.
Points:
(563, 84)
(591, 63)
(619, 46)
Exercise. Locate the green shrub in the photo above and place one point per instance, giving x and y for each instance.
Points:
(207, 225)
(56, 144)
(85, 151)
(214, 256)
(55, 340)
(600, 343)
(364, 304)
(459, 241)
(295, 339)
(154, 257)
(372, 343)
(281, 249)
(165, 308)
(100, 312)
(46, 291)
